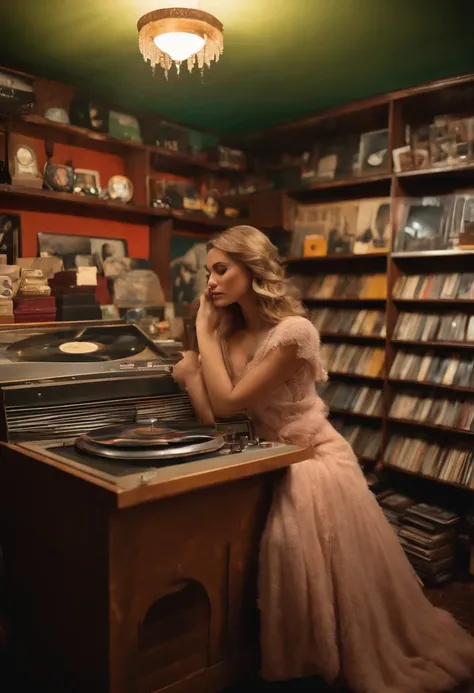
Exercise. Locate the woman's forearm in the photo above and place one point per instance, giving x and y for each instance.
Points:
(199, 397)
(216, 378)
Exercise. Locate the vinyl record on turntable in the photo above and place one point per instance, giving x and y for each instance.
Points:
(152, 441)
(88, 344)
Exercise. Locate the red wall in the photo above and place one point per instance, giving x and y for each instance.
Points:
(137, 236)
(108, 165)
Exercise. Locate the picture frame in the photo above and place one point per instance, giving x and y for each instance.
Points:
(78, 250)
(86, 182)
(333, 222)
(423, 223)
(188, 273)
(374, 226)
(10, 237)
(374, 152)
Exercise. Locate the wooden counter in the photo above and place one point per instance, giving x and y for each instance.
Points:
(136, 586)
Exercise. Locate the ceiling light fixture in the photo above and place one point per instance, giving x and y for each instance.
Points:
(177, 35)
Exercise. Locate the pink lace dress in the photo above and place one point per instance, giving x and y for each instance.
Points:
(337, 596)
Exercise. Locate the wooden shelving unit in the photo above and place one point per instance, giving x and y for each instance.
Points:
(418, 263)
(393, 111)
(40, 126)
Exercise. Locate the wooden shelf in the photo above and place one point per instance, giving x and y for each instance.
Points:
(429, 302)
(433, 345)
(342, 184)
(22, 197)
(425, 424)
(361, 415)
(356, 376)
(196, 220)
(70, 203)
(433, 386)
(336, 257)
(432, 254)
(172, 161)
(425, 476)
(440, 171)
(352, 337)
(343, 300)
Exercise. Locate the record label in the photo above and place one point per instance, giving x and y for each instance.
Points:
(78, 347)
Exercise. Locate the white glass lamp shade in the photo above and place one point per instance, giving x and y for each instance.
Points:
(179, 45)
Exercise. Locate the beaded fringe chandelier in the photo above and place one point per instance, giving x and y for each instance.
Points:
(177, 35)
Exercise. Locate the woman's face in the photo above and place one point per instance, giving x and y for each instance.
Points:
(229, 282)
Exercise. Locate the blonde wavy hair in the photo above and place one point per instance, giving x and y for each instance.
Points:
(277, 297)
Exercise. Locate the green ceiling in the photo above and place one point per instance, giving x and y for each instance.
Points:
(283, 59)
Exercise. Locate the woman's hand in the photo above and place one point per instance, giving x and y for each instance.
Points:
(208, 316)
(186, 369)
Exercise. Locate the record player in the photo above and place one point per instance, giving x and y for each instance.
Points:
(86, 349)
(100, 398)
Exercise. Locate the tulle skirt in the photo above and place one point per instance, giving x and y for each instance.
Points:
(338, 597)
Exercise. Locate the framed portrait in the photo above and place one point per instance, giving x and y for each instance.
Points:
(188, 273)
(86, 182)
(374, 226)
(10, 237)
(342, 227)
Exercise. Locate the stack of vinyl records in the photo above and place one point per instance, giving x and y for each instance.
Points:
(428, 535)
(394, 507)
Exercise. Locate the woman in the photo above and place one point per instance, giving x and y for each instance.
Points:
(337, 596)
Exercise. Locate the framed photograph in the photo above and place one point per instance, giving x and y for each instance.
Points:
(24, 166)
(78, 251)
(461, 227)
(333, 223)
(309, 220)
(109, 255)
(423, 223)
(10, 237)
(86, 182)
(374, 226)
(188, 273)
(342, 227)
(374, 154)
(408, 159)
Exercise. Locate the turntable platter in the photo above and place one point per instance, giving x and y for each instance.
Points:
(87, 344)
(149, 441)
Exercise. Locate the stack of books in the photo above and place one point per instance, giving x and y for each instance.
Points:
(428, 536)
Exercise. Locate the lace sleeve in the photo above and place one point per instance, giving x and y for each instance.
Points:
(300, 331)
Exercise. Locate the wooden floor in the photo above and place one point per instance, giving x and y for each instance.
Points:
(458, 599)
